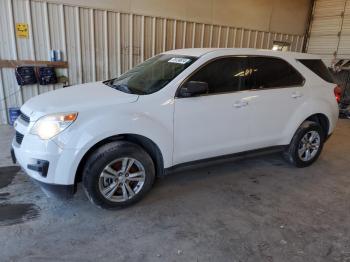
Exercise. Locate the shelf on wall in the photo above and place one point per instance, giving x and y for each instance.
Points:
(15, 63)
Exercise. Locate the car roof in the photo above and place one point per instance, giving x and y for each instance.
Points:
(198, 52)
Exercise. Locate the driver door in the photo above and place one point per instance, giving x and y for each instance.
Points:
(215, 123)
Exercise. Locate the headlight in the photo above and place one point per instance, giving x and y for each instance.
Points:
(49, 126)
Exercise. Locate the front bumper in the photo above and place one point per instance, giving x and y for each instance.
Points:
(13, 156)
(39, 173)
(57, 191)
(43, 160)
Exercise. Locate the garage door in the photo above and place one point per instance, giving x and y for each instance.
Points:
(329, 34)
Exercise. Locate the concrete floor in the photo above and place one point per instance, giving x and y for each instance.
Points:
(257, 209)
(6, 134)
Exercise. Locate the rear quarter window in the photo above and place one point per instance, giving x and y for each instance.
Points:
(319, 68)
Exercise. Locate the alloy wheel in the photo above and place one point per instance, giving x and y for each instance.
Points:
(122, 179)
(309, 146)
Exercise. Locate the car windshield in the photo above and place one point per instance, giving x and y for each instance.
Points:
(151, 75)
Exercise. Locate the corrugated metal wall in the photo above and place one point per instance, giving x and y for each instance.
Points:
(329, 34)
(100, 44)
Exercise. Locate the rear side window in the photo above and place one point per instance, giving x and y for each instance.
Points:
(270, 72)
(224, 75)
(319, 68)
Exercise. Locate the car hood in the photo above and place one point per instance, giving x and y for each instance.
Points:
(75, 99)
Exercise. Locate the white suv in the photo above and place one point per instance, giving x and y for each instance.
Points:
(176, 108)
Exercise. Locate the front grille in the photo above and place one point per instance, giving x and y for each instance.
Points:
(19, 137)
(25, 118)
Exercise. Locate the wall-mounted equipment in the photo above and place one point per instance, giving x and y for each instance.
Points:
(280, 46)
(25, 75)
(47, 76)
(341, 65)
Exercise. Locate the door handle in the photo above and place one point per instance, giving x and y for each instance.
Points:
(240, 104)
(297, 95)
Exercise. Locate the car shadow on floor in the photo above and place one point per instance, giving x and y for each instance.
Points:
(239, 174)
(243, 176)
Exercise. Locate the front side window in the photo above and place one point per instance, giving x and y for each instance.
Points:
(270, 72)
(151, 75)
(224, 75)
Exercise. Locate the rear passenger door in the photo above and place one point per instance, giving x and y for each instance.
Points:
(276, 91)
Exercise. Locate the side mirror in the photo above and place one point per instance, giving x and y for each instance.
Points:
(193, 88)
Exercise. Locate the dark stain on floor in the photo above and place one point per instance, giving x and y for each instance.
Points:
(7, 174)
(12, 214)
(3, 196)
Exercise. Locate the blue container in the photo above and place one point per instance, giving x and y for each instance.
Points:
(14, 112)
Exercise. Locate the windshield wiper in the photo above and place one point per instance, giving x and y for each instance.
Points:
(137, 91)
(122, 88)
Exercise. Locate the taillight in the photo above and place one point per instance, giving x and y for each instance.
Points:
(338, 92)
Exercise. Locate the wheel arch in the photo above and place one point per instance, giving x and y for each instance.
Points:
(319, 118)
(322, 120)
(147, 144)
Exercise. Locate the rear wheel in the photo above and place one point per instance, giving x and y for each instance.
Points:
(118, 174)
(306, 145)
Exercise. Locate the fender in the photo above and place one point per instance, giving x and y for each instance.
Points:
(309, 108)
(159, 130)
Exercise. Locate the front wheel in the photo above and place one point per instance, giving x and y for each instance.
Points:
(118, 174)
(306, 145)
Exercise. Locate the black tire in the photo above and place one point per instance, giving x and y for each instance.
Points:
(107, 154)
(291, 152)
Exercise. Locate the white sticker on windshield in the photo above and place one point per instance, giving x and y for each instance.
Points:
(178, 60)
